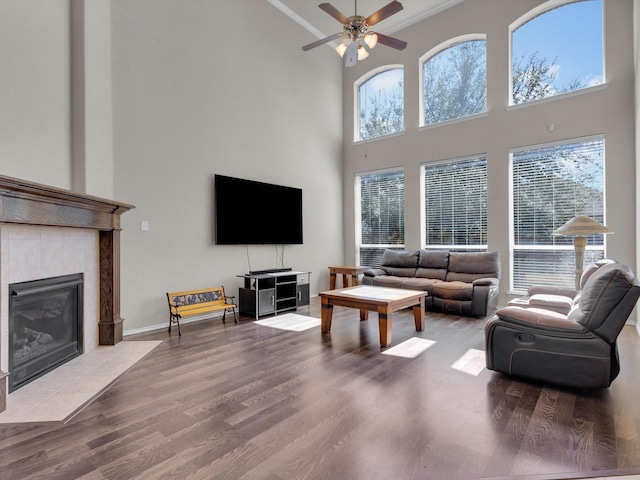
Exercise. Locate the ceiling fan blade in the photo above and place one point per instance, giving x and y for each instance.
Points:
(391, 42)
(384, 12)
(351, 55)
(334, 12)
(317, 43)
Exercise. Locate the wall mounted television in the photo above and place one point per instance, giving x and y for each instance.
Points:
(256, 213)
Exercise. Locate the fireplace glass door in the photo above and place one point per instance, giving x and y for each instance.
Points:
(45, 326)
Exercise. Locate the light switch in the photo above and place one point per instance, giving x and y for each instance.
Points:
(144, 225)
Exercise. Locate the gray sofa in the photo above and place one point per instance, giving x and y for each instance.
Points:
(574, 349)
(457, 282)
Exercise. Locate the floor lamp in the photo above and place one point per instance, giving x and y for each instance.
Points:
(578, 227)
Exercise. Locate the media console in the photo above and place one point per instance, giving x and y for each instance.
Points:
(273, 291)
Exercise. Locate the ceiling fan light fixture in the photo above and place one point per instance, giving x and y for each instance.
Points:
(346, 38)
(362, 52)
(371, 39)
(355, 41)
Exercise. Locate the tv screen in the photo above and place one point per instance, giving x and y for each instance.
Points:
(256, 213)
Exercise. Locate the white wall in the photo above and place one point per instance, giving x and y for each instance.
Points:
(35, 93)
(222, 87)
(608, 111)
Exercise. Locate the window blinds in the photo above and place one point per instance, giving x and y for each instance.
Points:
(381, 220)
(455, 204)
(550, 186)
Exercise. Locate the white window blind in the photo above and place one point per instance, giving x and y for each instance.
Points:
(380, 223)
(455, 204)
(550, 186)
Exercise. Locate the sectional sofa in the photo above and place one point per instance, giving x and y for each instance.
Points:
(464, 283)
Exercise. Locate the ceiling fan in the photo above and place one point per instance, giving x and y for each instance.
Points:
(356, 40)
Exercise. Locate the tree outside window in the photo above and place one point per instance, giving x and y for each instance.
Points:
(558, 51)
(455, 82)
(381, 104)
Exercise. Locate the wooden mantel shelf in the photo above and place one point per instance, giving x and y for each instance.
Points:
(23, 202)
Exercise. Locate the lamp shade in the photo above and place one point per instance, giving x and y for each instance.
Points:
(371, 39)
(581, 225)
(362, 52)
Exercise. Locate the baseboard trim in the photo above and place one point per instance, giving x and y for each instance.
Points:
(165, 325)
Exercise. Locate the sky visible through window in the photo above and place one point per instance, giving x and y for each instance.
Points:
(571, 33)
(383, 82)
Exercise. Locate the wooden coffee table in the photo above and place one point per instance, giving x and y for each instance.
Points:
(367, 298)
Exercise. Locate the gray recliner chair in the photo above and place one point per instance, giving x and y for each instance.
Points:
(575, 349)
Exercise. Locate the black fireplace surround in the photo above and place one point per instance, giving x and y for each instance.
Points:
(45, 326)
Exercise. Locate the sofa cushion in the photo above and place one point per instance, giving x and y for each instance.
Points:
(400, 263)
(470, 266)
(417, 283)
(390, 281)
(604, 289)
(554, 301)
(433, 264)
(453, 290)
(592, 268)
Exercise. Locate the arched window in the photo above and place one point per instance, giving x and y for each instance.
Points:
(556, 48)
(454, 80)
(380, 108)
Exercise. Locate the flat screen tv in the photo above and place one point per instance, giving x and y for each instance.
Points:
(256, 213)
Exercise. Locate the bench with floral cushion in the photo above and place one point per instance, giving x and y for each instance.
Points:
(196, 302)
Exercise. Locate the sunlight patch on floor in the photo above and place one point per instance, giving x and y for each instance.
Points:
(409, 348)
(290, 321)
(472, 362)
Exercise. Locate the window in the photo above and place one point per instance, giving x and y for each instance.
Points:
(557, 50)
(550, 186)
(454, 82)
(380, 104)
(379, 199)
(455, 204)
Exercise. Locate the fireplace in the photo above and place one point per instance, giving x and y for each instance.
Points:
(45, 326)
(48, 232)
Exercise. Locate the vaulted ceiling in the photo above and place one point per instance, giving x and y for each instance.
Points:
(321, 25)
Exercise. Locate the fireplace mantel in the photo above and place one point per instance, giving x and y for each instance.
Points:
(23, 202)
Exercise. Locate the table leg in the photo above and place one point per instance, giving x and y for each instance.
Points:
(384, 324)
(332, 280)
(326, 315)
(345, 281)
(418, 316)
(364, 314)
(354, 280)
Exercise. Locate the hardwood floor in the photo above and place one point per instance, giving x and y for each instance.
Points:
(252, 402)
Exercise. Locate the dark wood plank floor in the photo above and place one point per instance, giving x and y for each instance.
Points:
(251, 402)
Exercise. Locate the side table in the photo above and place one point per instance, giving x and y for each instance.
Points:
(346, 272)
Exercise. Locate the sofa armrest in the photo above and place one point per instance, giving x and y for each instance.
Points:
(374, 272)
(538, 317)
(489, 281)
(549, 290)
(485, 296)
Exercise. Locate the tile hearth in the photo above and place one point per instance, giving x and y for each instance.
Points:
(60, 394)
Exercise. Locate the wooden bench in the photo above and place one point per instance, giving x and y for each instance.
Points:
(194, 302)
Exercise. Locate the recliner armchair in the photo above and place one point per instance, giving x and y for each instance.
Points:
(575, 349)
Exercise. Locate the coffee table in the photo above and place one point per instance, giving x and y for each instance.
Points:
(368, 298)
